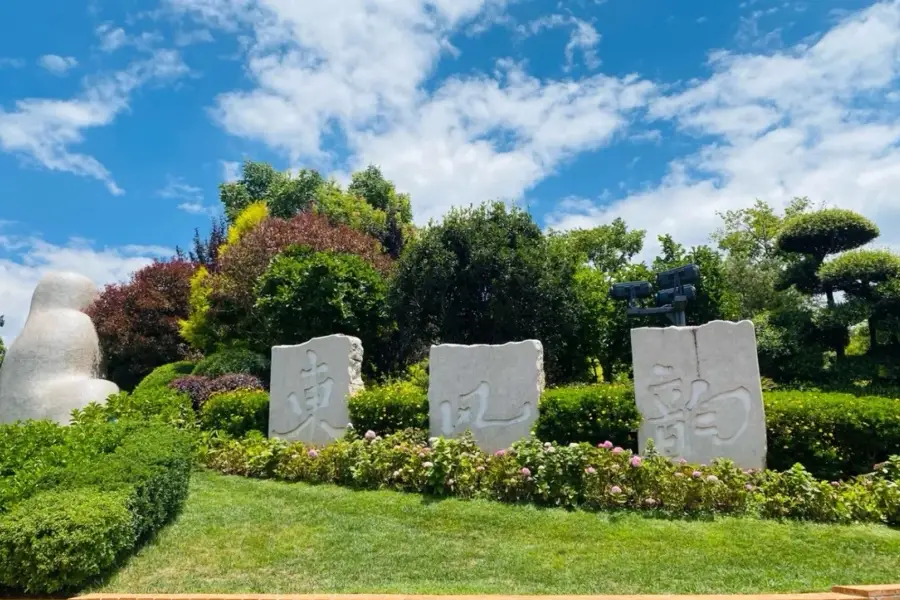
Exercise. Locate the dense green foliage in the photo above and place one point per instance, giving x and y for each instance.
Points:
(236, 413)
(600, 477)
(590, 414)
(306, 294)
(488, 275)
(389, 408)
(234, 360)
(832, 435)
(826, 232)
(162, 376)
(75, 501)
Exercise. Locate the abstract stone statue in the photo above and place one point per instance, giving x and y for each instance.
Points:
(53, 366)
(310, 386)
(493, 391)
(698, 392)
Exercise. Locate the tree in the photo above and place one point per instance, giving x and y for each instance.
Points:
(137, 321)
(811, 237)
(861, 274)
(305, 294)
(753, 263)
(488, 275)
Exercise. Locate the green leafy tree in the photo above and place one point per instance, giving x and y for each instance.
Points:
(489, 275)
(288, 196)
(305, 294)
(256, 179)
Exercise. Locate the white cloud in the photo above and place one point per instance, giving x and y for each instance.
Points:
(231, 170)
(177, 188)
(58, 65)
(472, 138)
(11, 63)
(111, 38)
(198, 208)
(584, 37)
(197, 36)
(42, 131)
(33, 257)
(808, 121)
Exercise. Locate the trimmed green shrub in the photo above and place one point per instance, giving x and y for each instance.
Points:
(236, 413)
(590, 413)
(832, 435)
(160, 377)
(389, 408)
(61, 539)
(234, 360)
(162, 405)
(77, 499)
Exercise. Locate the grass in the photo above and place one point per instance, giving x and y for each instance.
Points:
(239, 535)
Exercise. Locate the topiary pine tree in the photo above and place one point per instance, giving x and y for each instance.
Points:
(866, 276)
(812, 237)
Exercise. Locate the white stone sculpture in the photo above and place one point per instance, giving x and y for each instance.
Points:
(491, 390)
(53, 366)
(310, 386)
(699, 394)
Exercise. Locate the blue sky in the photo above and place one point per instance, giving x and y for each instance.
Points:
(118, 120)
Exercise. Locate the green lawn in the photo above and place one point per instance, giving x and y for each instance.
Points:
(240, 535)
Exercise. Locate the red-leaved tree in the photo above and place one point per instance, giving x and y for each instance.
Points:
(233, 286)
(137, 321)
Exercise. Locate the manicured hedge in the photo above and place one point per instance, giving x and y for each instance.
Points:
(389, 408)
(833, 435)
(75, 501)
(236, 413)
(234, 360)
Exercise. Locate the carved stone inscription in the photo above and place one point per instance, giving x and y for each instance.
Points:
(699, 393)
(492, 391)
(310, 386)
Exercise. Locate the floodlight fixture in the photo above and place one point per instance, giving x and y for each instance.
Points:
(674, 278)
(669, 296)
(630, 290)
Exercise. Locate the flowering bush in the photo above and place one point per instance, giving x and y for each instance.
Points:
(576, 475)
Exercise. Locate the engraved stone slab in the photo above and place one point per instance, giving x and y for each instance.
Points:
(310, 386)
(491, 390)
(698, 391)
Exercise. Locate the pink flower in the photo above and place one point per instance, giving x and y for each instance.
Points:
(427, 465)
(615, 490)
(607, 444)
(479, 468)
(650, 502)
(526, 472)
(748, 487)
(370, 435)
(636, 461)
(313, 453)
(712, 479)
(590, 471)
(617, 450)
(500, 453)
(696, 474)
(836, 484)
(682, 461)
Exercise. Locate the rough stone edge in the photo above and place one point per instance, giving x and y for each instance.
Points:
(531, 341)
(354, 371)
(718, 322)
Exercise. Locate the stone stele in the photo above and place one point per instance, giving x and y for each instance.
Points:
(310, 386)
(491, 390)
(698, 392)
(53, 366)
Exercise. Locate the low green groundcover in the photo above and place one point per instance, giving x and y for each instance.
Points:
(74, 501)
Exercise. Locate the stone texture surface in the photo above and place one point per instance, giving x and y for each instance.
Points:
(53, 366)
(491, 390)
(699, 393)
(310, 386)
